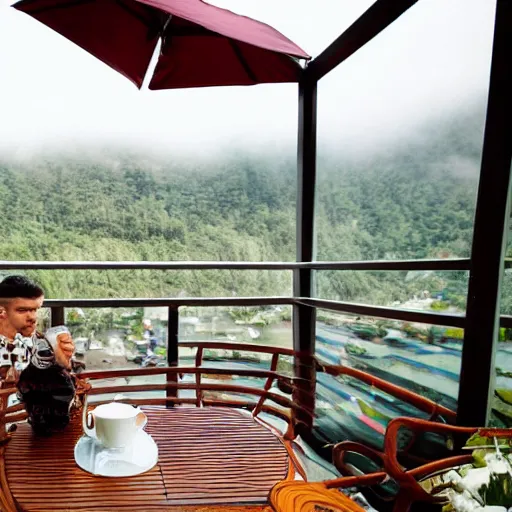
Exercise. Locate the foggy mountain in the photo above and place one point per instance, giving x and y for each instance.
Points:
(416, 200)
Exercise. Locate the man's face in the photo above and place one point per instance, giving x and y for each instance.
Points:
(21, 314)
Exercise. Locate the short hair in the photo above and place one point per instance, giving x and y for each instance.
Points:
(13, 287)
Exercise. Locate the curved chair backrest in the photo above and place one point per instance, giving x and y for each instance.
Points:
(409, 488)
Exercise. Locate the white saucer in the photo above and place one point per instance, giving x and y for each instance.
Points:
(139, 457)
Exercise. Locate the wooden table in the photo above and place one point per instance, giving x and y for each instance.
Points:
(209, 459)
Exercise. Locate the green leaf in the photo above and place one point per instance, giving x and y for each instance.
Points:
(505, 395)
(499, 491)
(479, 458)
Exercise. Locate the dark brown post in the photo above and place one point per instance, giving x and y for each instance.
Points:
(172, 350)
(489, 238)
(57, 315)
(377, 18)
(304, 317)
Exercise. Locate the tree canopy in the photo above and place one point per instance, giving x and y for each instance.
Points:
(413, 201)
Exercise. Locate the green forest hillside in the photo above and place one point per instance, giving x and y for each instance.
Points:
(413, 201)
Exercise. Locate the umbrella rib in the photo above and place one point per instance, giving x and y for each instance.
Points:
(243, 61)
(197, 30)
(59, 5)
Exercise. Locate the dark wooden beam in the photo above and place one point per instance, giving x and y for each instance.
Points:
(153, 265)
(405, 315)
(489, 237)
(57, 316)
(379, 16)
(449, 264)
(164, 302)
(173, 318)
(343, 307)
(383, 265)
(304, 317)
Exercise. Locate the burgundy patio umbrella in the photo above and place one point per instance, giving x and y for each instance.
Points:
(202, 45)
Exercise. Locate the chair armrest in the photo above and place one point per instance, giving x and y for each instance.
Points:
(408, 480)
(388, 462)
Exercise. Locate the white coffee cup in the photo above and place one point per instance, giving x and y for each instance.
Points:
(115, 424)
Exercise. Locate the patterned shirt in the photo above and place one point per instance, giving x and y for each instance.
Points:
(20, 351)
(16, 352)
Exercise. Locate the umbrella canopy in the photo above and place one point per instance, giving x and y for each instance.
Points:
(201, 45)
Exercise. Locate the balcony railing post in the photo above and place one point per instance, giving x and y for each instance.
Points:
(489, 237)
(172, 350)
(304, 317)
(57, 315)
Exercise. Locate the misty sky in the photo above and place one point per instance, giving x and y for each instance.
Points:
(433, 61)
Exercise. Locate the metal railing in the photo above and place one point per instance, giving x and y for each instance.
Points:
(57, 305)
(300, 304)
(448, 264)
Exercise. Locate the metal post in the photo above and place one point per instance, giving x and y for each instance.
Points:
(489, 237)
(57, 316)
(377, 18)
(304, 317)
(172, 350)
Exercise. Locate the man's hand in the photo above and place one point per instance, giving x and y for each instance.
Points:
(64, 350)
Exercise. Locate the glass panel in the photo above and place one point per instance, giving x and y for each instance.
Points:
(265, 326)
(400, 129)
(506, 291)
(108, 338)
(132, 381)
(262, 325)
(100, 284)
(423, 359)
(116, 338)
(506, 286)
(501, 402)
(231, 380)
(231, 360)
(442, 292)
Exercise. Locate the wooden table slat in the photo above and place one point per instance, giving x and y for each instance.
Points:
(209, 459)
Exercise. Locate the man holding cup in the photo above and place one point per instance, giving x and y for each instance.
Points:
(44, 385)
(20, 300)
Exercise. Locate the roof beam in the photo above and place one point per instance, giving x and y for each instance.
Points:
(379, 16)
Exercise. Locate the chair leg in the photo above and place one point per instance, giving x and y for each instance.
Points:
(403, 502)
